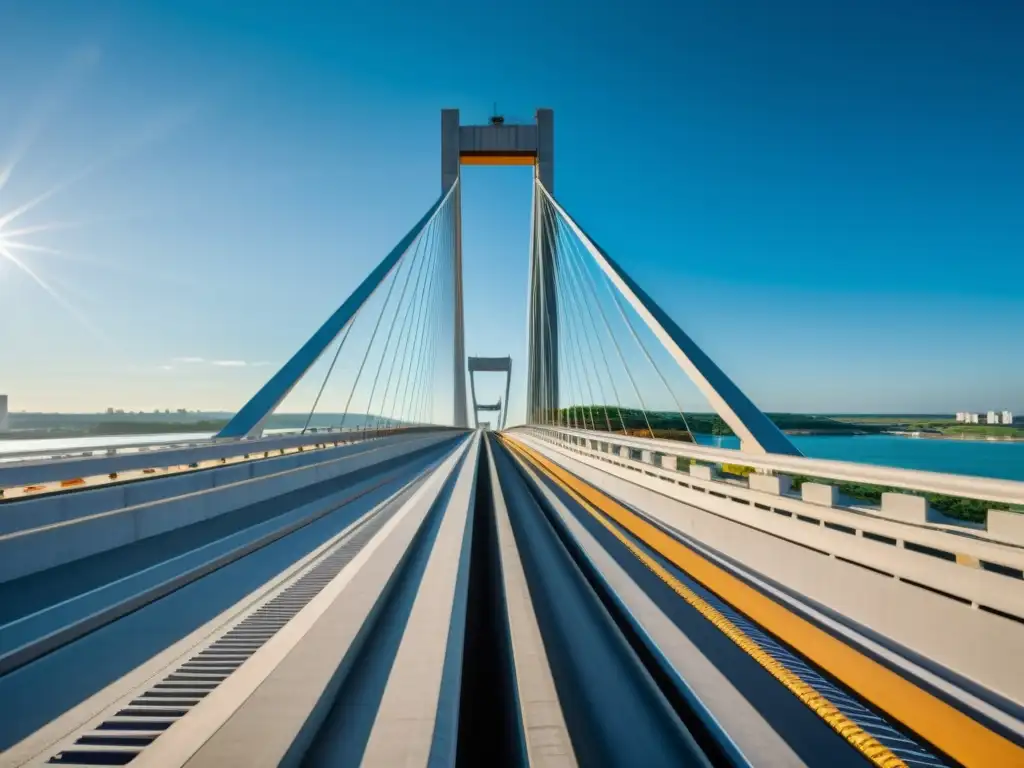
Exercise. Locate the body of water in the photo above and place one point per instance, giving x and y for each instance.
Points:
(962, 457)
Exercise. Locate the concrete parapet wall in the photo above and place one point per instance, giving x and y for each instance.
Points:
(27, 552)
(1006, 525)
(905, 506)
(946, 631)
(956, 562)
(820, 493)
(56, 508)
(990, 489)
(700, 472)
(774, 484)
(47, 470)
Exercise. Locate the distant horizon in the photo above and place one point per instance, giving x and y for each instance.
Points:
(228, 413)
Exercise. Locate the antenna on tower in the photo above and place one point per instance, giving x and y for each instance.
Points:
(497, 119)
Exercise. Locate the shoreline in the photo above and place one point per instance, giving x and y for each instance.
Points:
(957, 438)
(828, 433)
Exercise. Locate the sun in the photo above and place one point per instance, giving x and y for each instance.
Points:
(14, 246)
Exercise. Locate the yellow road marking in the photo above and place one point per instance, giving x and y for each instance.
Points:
(849, 730)
(944, 726)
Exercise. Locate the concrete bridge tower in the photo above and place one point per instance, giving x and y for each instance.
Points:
(501, 143)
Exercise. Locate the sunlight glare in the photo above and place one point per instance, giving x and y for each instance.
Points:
(5, 251)
(9, 248)
(48, 227)
(7, 243)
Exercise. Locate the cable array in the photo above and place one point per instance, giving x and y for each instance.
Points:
(603, 353)
(395, 352)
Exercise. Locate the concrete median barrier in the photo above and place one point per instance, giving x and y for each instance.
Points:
(26, 552)
(24, 514)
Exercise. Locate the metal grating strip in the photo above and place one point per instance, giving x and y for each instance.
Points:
(915, 753)
(156, 709)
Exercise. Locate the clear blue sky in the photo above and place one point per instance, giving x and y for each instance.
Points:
(829, 197)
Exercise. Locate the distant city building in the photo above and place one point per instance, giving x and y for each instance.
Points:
(110, 411)
(992, 417)
(3, 414)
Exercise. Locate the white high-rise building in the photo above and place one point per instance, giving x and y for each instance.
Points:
(1007, 417)
(960, 416)
(993, 418)
(3, 413)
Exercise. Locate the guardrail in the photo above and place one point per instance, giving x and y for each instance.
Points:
(772, 472)
(965, 486)
(113, 517)
(21, 473)
(166, 441)
(980, 572)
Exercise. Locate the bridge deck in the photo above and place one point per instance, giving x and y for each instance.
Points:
(441, 598)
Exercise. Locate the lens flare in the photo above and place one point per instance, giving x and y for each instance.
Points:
(14, 251)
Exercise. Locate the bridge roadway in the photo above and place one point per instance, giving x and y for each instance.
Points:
(449, 598)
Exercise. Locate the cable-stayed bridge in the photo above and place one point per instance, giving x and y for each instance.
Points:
(593, 587)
